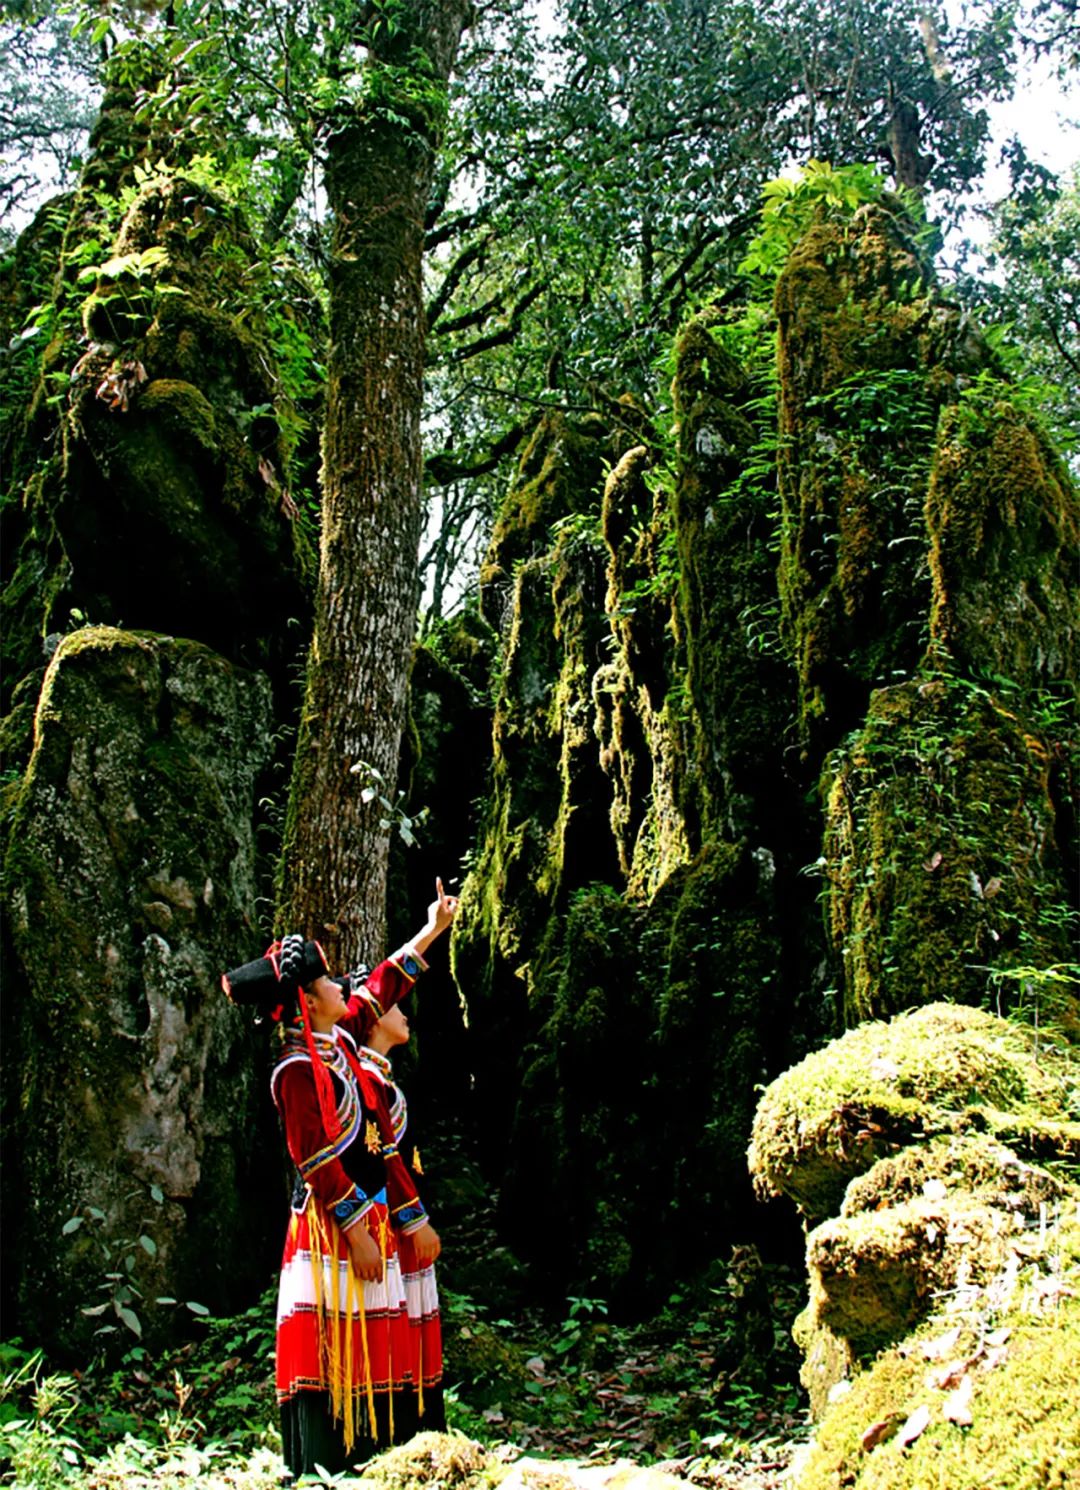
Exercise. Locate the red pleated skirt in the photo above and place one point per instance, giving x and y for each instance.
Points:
(422, 1307)
(335, 1333)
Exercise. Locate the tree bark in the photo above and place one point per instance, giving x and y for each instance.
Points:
(379, 170)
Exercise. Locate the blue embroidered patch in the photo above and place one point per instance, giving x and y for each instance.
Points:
(350, 1204)
(411, 966)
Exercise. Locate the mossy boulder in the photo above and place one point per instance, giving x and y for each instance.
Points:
(881, 1087)
(448, 1460)
(129, 886)
(945, 856)
(940, 1262)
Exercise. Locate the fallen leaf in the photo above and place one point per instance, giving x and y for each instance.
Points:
(997, 1337)
(941, 1345)
(535, 1364)
(992, 887)
(994, 1357)
(932, 863)
(948, 1376)
(879, 1432)
(916, 1424)
(882, 1069)
(957, 1405)
(935, 1190)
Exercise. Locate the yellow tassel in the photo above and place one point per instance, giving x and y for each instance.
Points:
(384, 1231)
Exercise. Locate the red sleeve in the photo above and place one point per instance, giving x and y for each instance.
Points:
(386, 986)
(313, 1154)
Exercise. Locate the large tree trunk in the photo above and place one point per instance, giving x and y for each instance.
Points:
(378, 178)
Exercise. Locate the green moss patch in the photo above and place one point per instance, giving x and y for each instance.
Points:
(943, 855)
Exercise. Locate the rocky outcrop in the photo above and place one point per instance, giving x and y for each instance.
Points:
(167, 417)
(660, 918)
(155, 455)
(133, 1099)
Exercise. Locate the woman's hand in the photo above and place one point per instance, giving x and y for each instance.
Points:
(364, 1251)
(426, 1244)
(440, 914)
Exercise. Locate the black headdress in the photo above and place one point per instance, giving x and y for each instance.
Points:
(270, 983)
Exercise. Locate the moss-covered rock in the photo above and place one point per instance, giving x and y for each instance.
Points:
(944, 859)
(129, 886)
(558, 474)
(544, 829)
(444, 772)
(868, 354)
(1004, 520)
(941, 1304)
(148, 483)
(941, 1069)
(590, 1051)
(741, 692)
(448, 1460)
(991, 1373)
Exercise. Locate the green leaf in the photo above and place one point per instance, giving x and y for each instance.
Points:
(130, 1318)
(71, 1225)
(157, 1194)
(200, 1309)
(148, 1245)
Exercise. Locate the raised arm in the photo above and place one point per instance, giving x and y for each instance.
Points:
(441, 913)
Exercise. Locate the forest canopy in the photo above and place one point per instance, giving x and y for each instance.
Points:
(599, 181)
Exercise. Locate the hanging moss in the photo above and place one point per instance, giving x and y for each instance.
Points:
(941, 852)
(640, 719)
(1004, 520)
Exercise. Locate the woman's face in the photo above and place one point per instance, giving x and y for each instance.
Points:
(326, 1001)
(391, 1030)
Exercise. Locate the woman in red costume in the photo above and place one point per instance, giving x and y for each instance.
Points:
(358, 1353)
